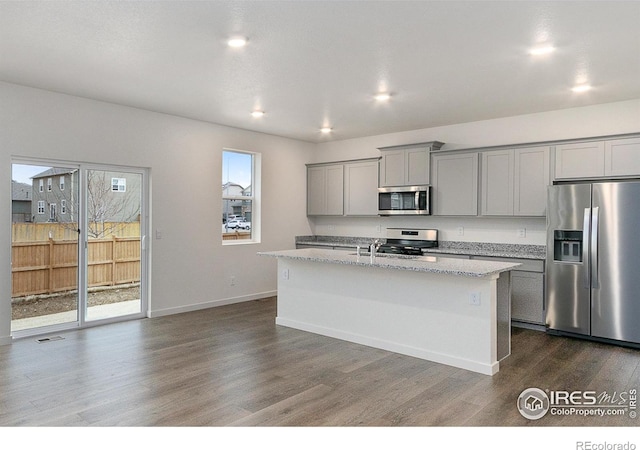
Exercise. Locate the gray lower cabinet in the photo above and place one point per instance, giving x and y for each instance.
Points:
(527, 291)
(527, 297)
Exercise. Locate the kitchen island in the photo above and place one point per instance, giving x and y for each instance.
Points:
(445, 310)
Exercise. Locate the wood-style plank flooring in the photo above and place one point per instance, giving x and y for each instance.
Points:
(232, 366)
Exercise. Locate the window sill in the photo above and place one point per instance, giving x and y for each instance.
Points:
(232, 242)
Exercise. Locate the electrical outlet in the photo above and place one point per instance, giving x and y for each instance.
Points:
(331, 227)
(158, 233)
(460, 231)
(378, 229)
(522, 232)
(232, 281)
(474, 298)
(285, 274)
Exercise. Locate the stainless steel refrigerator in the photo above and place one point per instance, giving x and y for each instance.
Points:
(593, 260)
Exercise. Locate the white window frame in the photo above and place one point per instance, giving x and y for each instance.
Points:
(49, 184)
(63, 206)
(256, 213)
(53, 211)
(61, 182)
(41, 207)
(41, 185)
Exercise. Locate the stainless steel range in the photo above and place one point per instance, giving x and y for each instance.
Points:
(406, 241)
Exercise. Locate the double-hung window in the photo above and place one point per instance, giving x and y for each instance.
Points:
(240, 197)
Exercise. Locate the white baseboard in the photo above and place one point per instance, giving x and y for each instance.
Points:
(212, 304)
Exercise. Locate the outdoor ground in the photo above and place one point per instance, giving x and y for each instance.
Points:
(34, 306)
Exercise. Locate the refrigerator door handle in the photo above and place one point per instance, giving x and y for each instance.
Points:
(586, 231)
(595, 270)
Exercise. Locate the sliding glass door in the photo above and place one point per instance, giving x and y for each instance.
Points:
(78, 255)
(113, 243)
(44, 246)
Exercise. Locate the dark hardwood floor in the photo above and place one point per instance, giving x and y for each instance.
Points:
(232, 366)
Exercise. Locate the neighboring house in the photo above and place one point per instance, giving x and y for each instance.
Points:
(55, 195)
(235, 207)
(20, 202)
(111, 196)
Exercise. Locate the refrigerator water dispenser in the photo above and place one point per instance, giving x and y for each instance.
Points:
(567, 245)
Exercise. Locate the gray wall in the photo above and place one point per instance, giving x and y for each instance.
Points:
(190, 268)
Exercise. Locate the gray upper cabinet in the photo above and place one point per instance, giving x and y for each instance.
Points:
(325, 190)
(361, 188)
(497, 183)
(455, 184)
(531, 179)
(580, 160)
(406, 165)
(348, 188)
(598, 159)
(622, 157)
(514, 182)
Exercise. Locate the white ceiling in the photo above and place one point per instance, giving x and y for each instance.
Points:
(315, 63)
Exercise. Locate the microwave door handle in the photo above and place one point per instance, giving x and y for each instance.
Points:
(417, 200)
(586, 259)
(595, 270)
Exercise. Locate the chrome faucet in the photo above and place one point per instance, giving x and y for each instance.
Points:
(373, 248)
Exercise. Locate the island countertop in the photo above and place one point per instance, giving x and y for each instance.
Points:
(431, 264)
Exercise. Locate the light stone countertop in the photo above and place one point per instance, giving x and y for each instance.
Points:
(517, 251)
(431, 264)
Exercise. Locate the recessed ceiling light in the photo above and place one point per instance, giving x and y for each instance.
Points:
(581, 88)
(541, 50)
(237, 42)
(382, 96)
(325, 130)
(257, 114)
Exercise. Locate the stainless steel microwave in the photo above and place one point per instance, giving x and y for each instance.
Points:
(404, 200)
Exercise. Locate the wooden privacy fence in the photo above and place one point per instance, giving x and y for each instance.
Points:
(235, 235)
(31, 232)
(52, 266)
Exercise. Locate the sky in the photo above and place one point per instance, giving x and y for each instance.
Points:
(23, 172)
(236, 168)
